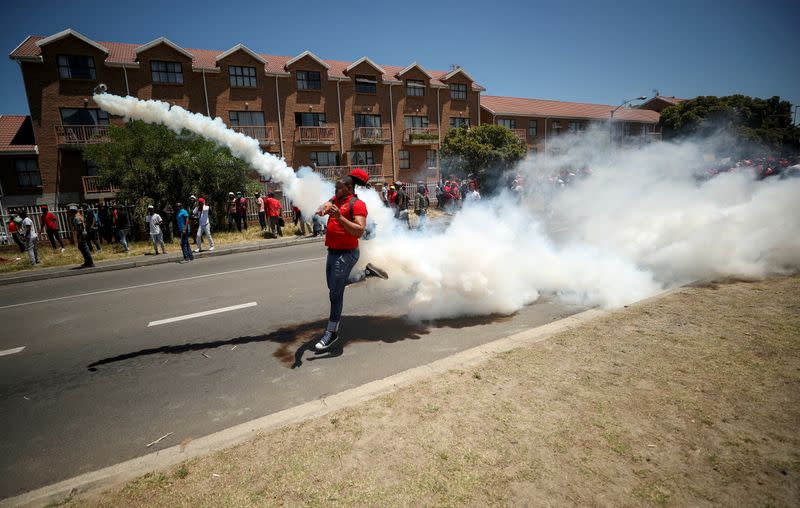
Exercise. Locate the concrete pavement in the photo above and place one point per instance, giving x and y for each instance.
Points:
(95, 384)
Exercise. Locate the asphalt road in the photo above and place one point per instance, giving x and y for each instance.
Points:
(95, 384)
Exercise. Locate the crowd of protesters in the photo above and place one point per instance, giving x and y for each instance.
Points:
(761, 167)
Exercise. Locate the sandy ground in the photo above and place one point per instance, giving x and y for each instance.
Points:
(689, 400)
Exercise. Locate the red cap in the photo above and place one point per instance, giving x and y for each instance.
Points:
(360, 175)
(201, 200)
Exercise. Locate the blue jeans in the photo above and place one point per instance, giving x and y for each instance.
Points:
(187, 251)
(122, 236)
(337, 271)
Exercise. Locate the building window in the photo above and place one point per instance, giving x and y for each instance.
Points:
(310, 119)
(243, 77)
(456, 122)
(325, 158)
(533, 129)
(430, 159)
(76, 67)
(405, 159)
(90, 167)
(416, 122)
(626, 129)
(308, 80)
(366, 84)
(574, 127)
(415, 88)
(166, 72)
(644, 129)
(508, 123)
(362, 158)
(83, 116)
(556, 126)
(28, 173)
(242, 118)
(458, 91)
(368, 120)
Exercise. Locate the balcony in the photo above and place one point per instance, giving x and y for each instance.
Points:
(264, 134)
(315, 136)
(333, 173)
(521, 134)
(78, 135)
(371, 136)
(421, 136)
(93, 188)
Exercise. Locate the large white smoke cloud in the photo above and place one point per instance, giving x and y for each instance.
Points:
(640, 223)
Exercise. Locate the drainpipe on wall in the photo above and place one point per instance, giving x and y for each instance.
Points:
(479, 107)
(278, 107)
(391, 126)
(127, 88)
(341, 134)
(439, 126)
(205, 92)
(545, 142)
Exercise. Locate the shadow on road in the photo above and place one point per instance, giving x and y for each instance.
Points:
(295, 340)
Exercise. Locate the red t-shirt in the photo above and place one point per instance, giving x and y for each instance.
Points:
(336, 237)
(12, 227)
(50, 221)
(273, 207)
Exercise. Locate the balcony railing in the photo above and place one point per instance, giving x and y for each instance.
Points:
(82, 134)
(421, 136)
(264, 134)
(375, 171)
(94, 185)
(315, 136)
(371, 136)
(521, 134)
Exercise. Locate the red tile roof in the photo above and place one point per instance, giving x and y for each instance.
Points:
(125, 53)
(9, 127)
(518, 106)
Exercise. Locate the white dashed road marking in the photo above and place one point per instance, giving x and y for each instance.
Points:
(11, 351)
(201, 314)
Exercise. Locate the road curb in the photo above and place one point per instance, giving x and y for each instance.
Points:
(155, 260)
(105, 478)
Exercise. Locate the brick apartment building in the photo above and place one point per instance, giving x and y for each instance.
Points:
(538, 121)
(311, 111)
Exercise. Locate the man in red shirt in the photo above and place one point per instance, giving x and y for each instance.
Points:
(347, 219)
(274, 207)
(50, 225)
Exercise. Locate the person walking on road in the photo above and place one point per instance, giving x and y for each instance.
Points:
(30, 238)
(274, 214)
(49, 224)
(204, 226)
(347, 219)
(156, 235)
(185, 231)
(81, 235)
(421, 204)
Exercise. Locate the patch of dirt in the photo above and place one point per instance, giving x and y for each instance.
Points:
(691, 399)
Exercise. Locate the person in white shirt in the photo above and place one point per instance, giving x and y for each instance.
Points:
(473, 196)
(30, 238)
(156, 235)
(203, 227)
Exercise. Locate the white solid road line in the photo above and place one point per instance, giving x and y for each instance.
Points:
(158, 283)
(11, 351)
(201, 314)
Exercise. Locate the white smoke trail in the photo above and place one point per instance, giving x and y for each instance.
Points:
(638, 224)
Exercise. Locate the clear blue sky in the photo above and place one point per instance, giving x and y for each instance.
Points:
(585, 51)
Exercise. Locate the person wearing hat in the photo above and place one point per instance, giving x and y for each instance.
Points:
(204, 227)
(185, 231)
(241, 212)
(156, 235)
(81, 235)
(347, 219)
(231, 211)
(194, 222)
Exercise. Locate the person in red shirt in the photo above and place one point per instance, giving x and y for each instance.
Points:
(50, 225)
(241, 212)
(274, 207)
(347, 219)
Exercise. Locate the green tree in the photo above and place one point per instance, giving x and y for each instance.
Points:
(755, 125)
(151, 163)
(486, 152)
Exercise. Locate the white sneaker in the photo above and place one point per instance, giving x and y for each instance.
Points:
(62, 249)
(212, 248)
(197, 250)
